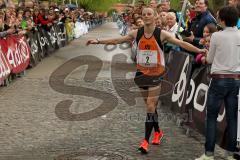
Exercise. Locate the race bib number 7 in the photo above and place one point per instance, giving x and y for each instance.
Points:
(147, 58)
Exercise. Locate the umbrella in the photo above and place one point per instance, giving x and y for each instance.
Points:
(71, 6)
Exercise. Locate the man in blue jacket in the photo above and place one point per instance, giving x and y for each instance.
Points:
(203, 18)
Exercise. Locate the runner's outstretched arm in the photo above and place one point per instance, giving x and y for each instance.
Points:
(167, 37)
(114, 41)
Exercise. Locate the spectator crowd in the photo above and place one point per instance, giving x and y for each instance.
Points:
(21, 19)
(197, 24)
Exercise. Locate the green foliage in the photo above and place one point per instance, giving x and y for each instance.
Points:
(101, 5)
(97, 5)
(110, 12)
(105, 5)
(213, 4)
(176, 5)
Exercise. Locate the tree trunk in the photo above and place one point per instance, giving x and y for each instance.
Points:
(77, 3)
(133, 2)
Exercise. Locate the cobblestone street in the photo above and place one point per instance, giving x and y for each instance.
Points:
(60, 111)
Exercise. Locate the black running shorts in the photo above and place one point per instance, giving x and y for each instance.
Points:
(144, 81)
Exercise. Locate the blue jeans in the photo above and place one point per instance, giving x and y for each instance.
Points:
(222, 90)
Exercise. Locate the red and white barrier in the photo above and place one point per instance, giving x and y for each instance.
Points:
(14, 56)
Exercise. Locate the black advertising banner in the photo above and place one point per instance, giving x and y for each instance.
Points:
(33, 42)
(190, 93)
(45, 41)
(178, 73)
(49, 40)
(53, 37)
(196, 102)
(61, 35)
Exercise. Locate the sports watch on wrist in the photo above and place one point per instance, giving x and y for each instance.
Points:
(98, 41)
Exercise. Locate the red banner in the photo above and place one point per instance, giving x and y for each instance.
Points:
(14, 55)
(5, 68)
(17, 52)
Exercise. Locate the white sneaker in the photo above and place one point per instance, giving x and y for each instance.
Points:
(230, 158)
(205, 157)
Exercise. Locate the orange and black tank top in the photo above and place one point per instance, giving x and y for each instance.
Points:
(150, 56)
